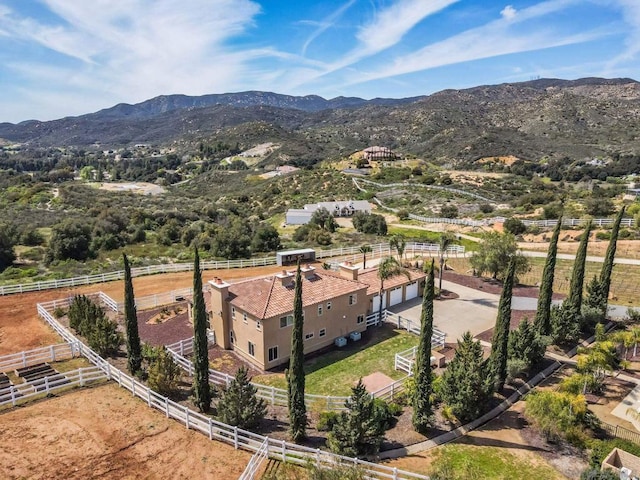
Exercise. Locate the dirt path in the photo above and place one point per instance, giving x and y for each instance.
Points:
(22, 329)
(105, 433)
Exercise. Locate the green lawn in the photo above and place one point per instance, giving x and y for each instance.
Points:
(475, 462)
(335, 372)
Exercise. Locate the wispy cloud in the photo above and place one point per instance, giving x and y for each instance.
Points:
(136, 49)
(631, 15)
(325, 24)
(499, 37)
(508, 12)
(388, 26)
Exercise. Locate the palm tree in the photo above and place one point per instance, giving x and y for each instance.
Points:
(398, 242)
(446, 239)
(364, 249)
(635, 335)
(388, 268)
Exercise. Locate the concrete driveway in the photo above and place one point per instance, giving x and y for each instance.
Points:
(473, 311)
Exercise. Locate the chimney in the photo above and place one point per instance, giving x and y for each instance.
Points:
(286, 278)
(308, 271)
(349, 271)
(220, 318)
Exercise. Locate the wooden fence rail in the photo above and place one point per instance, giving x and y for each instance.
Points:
(278, 449)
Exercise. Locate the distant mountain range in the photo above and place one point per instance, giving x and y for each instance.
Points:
(541, 118)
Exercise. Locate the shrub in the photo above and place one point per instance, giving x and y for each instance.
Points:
(599, 449)
(515, 226)
(59, 312)
(449, 211)
(486, 208)
(164, 372)
(326, 420)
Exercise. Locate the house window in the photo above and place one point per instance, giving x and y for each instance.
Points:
(244, 317)
(360, 319)
(232, 337)
(308, 336)
(353, 299)
(252, 349)
(286, 321)
(322, 332)
(233, 312)
(328, 305)
(258, 325)
(319, 310)
(273, 353)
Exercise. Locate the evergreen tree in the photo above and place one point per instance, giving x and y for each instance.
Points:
(526, 344)
(295, 374)
(239, 405)
(577, 276)
(359, 430)
(464, 384)
(543, 313)
(103, 336)
(422, 406)
(565, 323)
(201, 389)
(134, 355)
(164, 372)
(600, 289)
(500, 341)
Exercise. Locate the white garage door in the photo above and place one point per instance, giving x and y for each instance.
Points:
(376, 303)
(396, 296)
(412, 291)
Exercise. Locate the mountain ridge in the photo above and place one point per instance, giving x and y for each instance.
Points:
(534, 119)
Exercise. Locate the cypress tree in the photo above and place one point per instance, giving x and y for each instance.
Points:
(134, 350)
(422, 406)
(574, 301)
(543, 313)
(295, 375)
(201, 390)
(500, 341)
(607, 266)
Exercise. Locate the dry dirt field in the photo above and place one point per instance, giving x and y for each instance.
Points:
(105, 433)
(22, 329)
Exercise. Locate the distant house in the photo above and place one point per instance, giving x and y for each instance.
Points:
(379, 153)
(254, 318)
(301, 216)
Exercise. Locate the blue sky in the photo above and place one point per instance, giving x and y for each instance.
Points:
(69, 57)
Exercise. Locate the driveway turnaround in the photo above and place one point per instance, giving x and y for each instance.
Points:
(474, 311)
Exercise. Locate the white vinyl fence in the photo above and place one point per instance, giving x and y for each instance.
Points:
(412, 249)
(52, 353)
(256, 461)
(277, 449)
(22, 392)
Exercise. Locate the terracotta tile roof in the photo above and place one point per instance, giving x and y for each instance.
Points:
(370, 277)
(267, 297)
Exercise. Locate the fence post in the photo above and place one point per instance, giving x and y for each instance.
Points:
(166, 406)
(149, 396)
(133, 387)
(186, 417)
(284, 450)
(24, 360)
(273, 396)
(235, 437)
(46, 385)
(53, 353)
(395, 473)
(80, 378)
(210, 429)
(13, 395)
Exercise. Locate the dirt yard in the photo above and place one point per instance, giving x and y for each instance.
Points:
(105, 433)
(22, 329)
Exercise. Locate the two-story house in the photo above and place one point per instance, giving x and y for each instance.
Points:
(255, 317)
